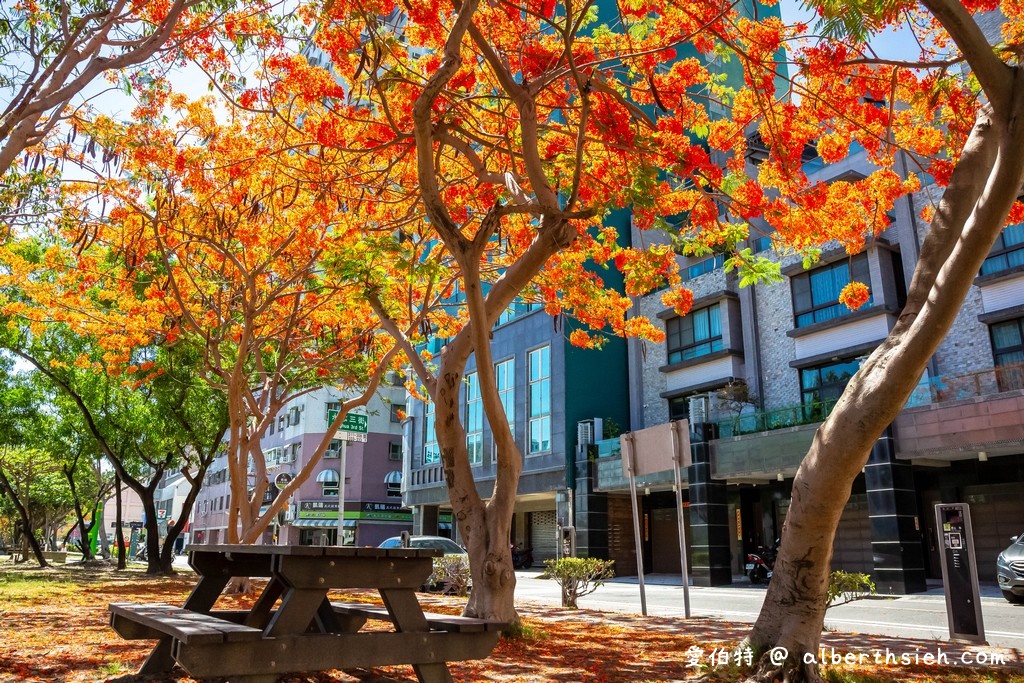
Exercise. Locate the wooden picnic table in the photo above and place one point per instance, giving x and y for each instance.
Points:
(293, 626)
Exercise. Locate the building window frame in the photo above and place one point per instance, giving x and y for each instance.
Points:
(393, 484)
(696, 334)
(505, 379)
(474, 417)
(539, 387)
(1003, 353)
(815, 293)
(820, 391)
(431, 451)
(395, 450)
(1008, 251)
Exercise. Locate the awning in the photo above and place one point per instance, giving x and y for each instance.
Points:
(328, 477)
(322, 523)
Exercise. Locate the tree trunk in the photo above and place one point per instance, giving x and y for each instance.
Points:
(484, 525)
(83, 528)
(26, 523)
(122, 555)
(970, 216)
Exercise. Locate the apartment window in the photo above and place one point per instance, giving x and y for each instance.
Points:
(1007, 252)
(431, 452)
(679, 408)
(816, 294)
(280, 422)
(393, 483)
(328, 480)
(760, 243)
(397, 410)
(822, 385)
(540, 400)
(708, 265)
(474, 420)
(395, 450)
(272, 423)
(515, 309)
(1008, 342)
(505, 378)
(1008, 353)
(333, 449)
(695, 334)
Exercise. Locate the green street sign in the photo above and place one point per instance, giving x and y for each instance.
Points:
(354, 423)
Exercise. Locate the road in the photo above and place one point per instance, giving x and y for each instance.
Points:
(921, 615)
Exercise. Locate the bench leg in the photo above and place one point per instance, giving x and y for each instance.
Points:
(432, 673)
(159, 660)
(407, 615)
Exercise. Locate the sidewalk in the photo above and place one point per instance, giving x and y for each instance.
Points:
(935, 586)
(883, 651)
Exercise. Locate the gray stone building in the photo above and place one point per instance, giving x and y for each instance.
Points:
(763, 365)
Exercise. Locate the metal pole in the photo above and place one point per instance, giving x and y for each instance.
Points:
(677, 461)
(341, 495)
(631, 467)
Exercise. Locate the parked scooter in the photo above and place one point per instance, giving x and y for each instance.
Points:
(760, 565)
(522, 558)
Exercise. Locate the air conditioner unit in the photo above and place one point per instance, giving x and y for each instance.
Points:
(332, 453)
(698, 409)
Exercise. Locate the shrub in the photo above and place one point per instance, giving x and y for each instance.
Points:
(451, 574)
(844, 587)
(579, 576)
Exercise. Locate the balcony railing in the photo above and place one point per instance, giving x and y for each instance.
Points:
(972, 385)
(780, 418)
(609, 448)
(930, 391)
(426, 478)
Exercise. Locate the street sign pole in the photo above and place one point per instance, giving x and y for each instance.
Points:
(631, 465)
(341, 494)
(677, 465)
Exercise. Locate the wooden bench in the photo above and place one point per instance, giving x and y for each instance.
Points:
(292, 626)
(438, 622)
(144, 621)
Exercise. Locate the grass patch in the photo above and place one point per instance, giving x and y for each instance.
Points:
(525, 631)
(112, 668)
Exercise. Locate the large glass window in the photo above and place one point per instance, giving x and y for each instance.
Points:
(1008, 342)
(431, 452)
(707, 265)
(474, 420)
(504, 374)
(540, 400)
(816, 294)
(1007, 252)
(822, 385)
(695, 334)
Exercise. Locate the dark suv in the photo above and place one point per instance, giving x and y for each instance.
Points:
(1010, 570)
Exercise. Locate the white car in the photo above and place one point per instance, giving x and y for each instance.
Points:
(446, 545)
(449, 576)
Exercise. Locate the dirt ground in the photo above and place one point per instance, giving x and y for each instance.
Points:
(54, 627)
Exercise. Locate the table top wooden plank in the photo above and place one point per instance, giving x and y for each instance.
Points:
(313, 551)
